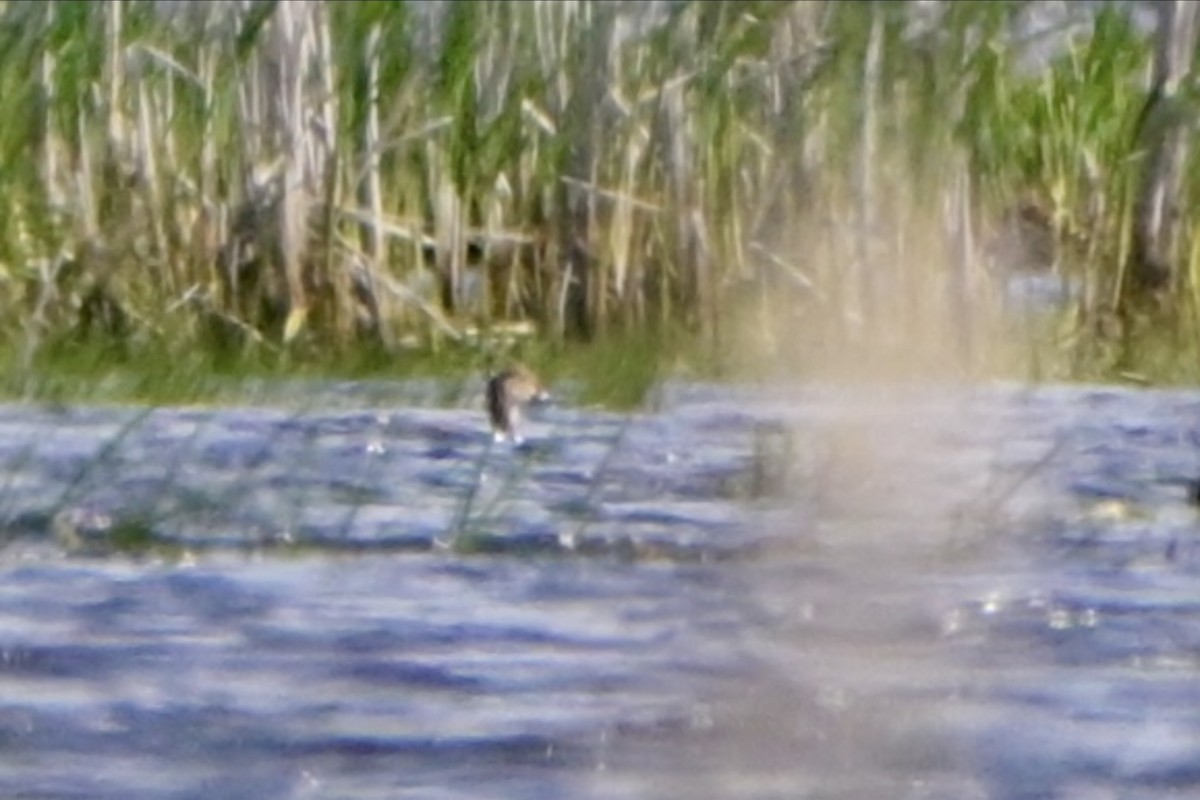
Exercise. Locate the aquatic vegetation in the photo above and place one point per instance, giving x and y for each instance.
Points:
(795, 185)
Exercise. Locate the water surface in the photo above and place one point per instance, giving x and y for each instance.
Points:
(948, 592)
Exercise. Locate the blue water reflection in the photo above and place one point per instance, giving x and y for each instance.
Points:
(946, 592)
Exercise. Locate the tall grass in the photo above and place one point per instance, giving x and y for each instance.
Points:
(311, 177)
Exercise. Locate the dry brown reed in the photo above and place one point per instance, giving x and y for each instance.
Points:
(244, 173)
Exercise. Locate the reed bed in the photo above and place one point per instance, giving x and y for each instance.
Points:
(777, 178)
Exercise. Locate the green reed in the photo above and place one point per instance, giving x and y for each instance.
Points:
(290, 180)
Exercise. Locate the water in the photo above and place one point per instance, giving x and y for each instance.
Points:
(945, 592)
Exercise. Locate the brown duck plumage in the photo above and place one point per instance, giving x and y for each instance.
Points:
(507, 393)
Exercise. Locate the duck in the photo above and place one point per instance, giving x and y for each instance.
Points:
(508, 392)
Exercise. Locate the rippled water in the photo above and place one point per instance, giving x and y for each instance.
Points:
(950, 592)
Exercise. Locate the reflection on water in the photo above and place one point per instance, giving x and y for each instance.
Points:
(951, 592)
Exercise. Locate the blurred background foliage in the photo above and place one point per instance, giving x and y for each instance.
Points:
(783, 182)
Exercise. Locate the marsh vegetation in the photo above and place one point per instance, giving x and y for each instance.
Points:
(750, 588)
(191, 187)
